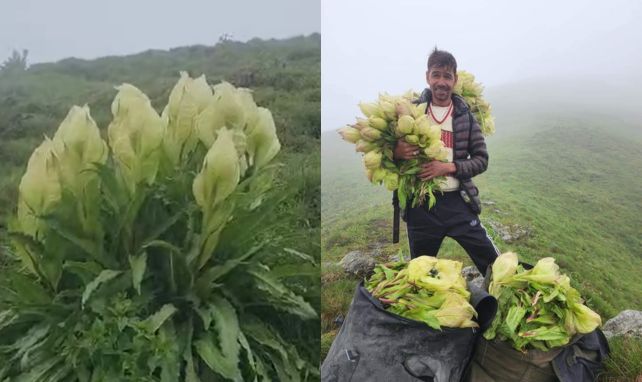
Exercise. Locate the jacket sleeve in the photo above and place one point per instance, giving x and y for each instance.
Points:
(478, 155)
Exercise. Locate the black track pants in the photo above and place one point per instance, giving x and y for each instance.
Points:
(450, 216)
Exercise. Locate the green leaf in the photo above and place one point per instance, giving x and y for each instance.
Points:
(280, 296)
(90, 247)
(27, 289)
(514, 317)
(170, 363)
(37, 373)
(155, 321)
(162, 228)
(223, 360)
(190, 371)
(294, 270)
(103, 277)
(300, 255)
(138, 265)
(216, 272)
(285, 359)
(85, 270)
(28, 342)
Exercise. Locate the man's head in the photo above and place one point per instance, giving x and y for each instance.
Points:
(441, 76)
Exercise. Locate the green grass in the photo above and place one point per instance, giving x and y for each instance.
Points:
(572, 179)
(625, 362)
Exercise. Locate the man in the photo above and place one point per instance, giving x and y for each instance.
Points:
(455, 214)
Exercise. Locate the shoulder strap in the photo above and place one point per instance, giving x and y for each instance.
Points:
(395, 217)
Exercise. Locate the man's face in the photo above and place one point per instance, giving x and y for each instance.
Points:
(441, 81)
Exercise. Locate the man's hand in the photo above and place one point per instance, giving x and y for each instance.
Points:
(405, 150)
(436, 168)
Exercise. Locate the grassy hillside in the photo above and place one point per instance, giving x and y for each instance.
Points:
(285, 77)
(570, 178)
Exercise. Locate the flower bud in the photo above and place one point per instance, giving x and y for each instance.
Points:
(388, 109)
(418, 110)
(220, 172)
(391, 181)
(370, 134)
(370, 109)
(361, 123)
(377, 123)
(262, 141)
(39, 190)
(365, 146)
(372, 159)
(423, 126)
(350, 134)
(405, 125)
(378, 175)
(412, 139)
(187, 100)
(135, 136)
(403, 107)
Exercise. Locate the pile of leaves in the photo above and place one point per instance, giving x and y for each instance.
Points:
(424, 289)
(154, 256)
(538, 308)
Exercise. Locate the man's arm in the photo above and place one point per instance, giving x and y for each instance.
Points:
(478, 161)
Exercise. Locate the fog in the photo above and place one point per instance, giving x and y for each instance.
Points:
(52, 30)
(373, 46)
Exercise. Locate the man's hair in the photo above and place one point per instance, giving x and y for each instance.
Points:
(441, 58)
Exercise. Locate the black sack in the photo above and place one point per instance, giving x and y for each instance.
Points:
(583, 360)
(376, 345)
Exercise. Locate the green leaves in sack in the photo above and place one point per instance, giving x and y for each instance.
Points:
(425, 289)
(538, 308)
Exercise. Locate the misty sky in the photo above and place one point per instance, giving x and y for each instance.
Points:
(53, 30)
(372, 46)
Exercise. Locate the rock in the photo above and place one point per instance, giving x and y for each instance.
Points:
(627, 323)
(399, 256)
(510, 233)
(473, 277)
(470, 273)
(358, 263)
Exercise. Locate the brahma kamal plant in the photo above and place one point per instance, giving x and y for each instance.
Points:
(151, 256)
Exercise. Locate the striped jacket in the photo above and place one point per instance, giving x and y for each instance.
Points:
(469, 149)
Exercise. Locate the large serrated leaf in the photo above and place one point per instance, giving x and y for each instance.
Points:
(156, 320)
(283, 356)
(222, 356)
(280, 296)
(104, 276)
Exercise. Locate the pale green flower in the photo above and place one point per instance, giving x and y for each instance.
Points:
(370, 109)
(378, 123)
(220, 173)
(391, 181)
(350, 134)
(135, 136)
(370, 134)
(262, 141)
(39, 190)
(187, 100)
(372, 160)
(406, 125)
